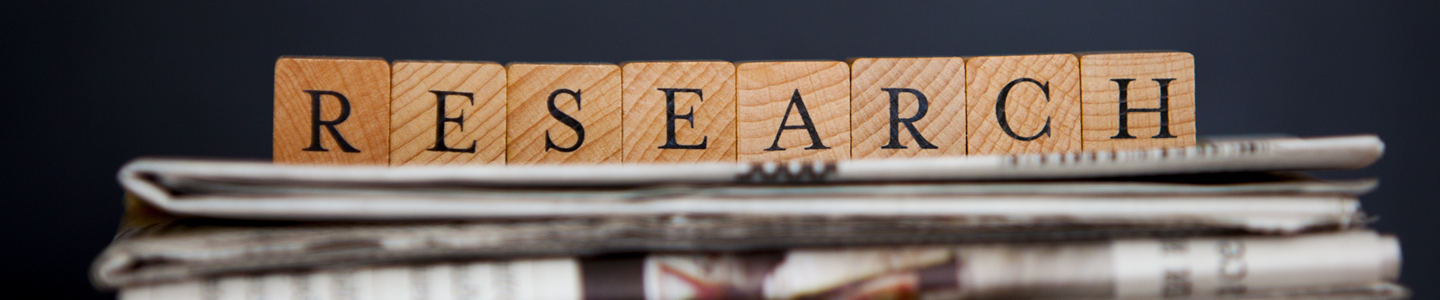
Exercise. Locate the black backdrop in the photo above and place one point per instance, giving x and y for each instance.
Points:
(88, 86)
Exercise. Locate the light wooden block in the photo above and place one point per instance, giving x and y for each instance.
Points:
(352, 124)
(585, 96)
(679, 112)
(887, 95)
(469, 129)
(1147, 78)
(771, 128)
(1041, 111)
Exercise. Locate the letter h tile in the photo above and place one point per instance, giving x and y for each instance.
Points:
(1137, 100)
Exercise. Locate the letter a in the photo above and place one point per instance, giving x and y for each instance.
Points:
(808, 126)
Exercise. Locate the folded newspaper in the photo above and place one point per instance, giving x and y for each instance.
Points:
(189, 219)
(1339, 265)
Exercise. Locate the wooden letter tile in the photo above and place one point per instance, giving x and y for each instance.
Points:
(797, 110)
(563, 114)
(1041, 104)
(468, 129)
(907, 107)
(1124, 94)
(332, 111)
(679, 111)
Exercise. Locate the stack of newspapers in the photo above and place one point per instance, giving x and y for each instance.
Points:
(1226, 219)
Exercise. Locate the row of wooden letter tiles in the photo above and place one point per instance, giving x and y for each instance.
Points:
(336, 110)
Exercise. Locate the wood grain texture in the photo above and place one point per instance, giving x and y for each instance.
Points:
(941, 80)
(1026, 109)
(362, 82)
(1100, 95)
(712, 111)
(765, 90)
(476, 137)
(598, 111)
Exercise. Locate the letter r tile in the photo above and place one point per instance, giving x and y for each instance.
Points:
(793, 110)
(679, 111)
(907, 107)
(563, 114)
(1022, 104)
(468, 129)
(332, 111)
(1148, 82)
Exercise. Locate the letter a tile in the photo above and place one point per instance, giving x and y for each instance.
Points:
(797, 110)
(681, 111)
(1124, 95)
(563, 114)
(332, 111)
(907, 107)
(1022, 104)
(469, 129)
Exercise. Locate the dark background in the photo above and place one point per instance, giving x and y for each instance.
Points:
(88, 86)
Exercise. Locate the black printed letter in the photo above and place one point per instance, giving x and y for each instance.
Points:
(895, 119)
(671, 117)
(796, 102)
(1164, 109)
(1000, 109)
(316, 122)
(440, 120)
(565, 119)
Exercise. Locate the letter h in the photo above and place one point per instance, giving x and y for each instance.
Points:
(1125, 109)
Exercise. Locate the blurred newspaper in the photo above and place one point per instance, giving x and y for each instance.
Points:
(1339, 265)
(156, 244)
